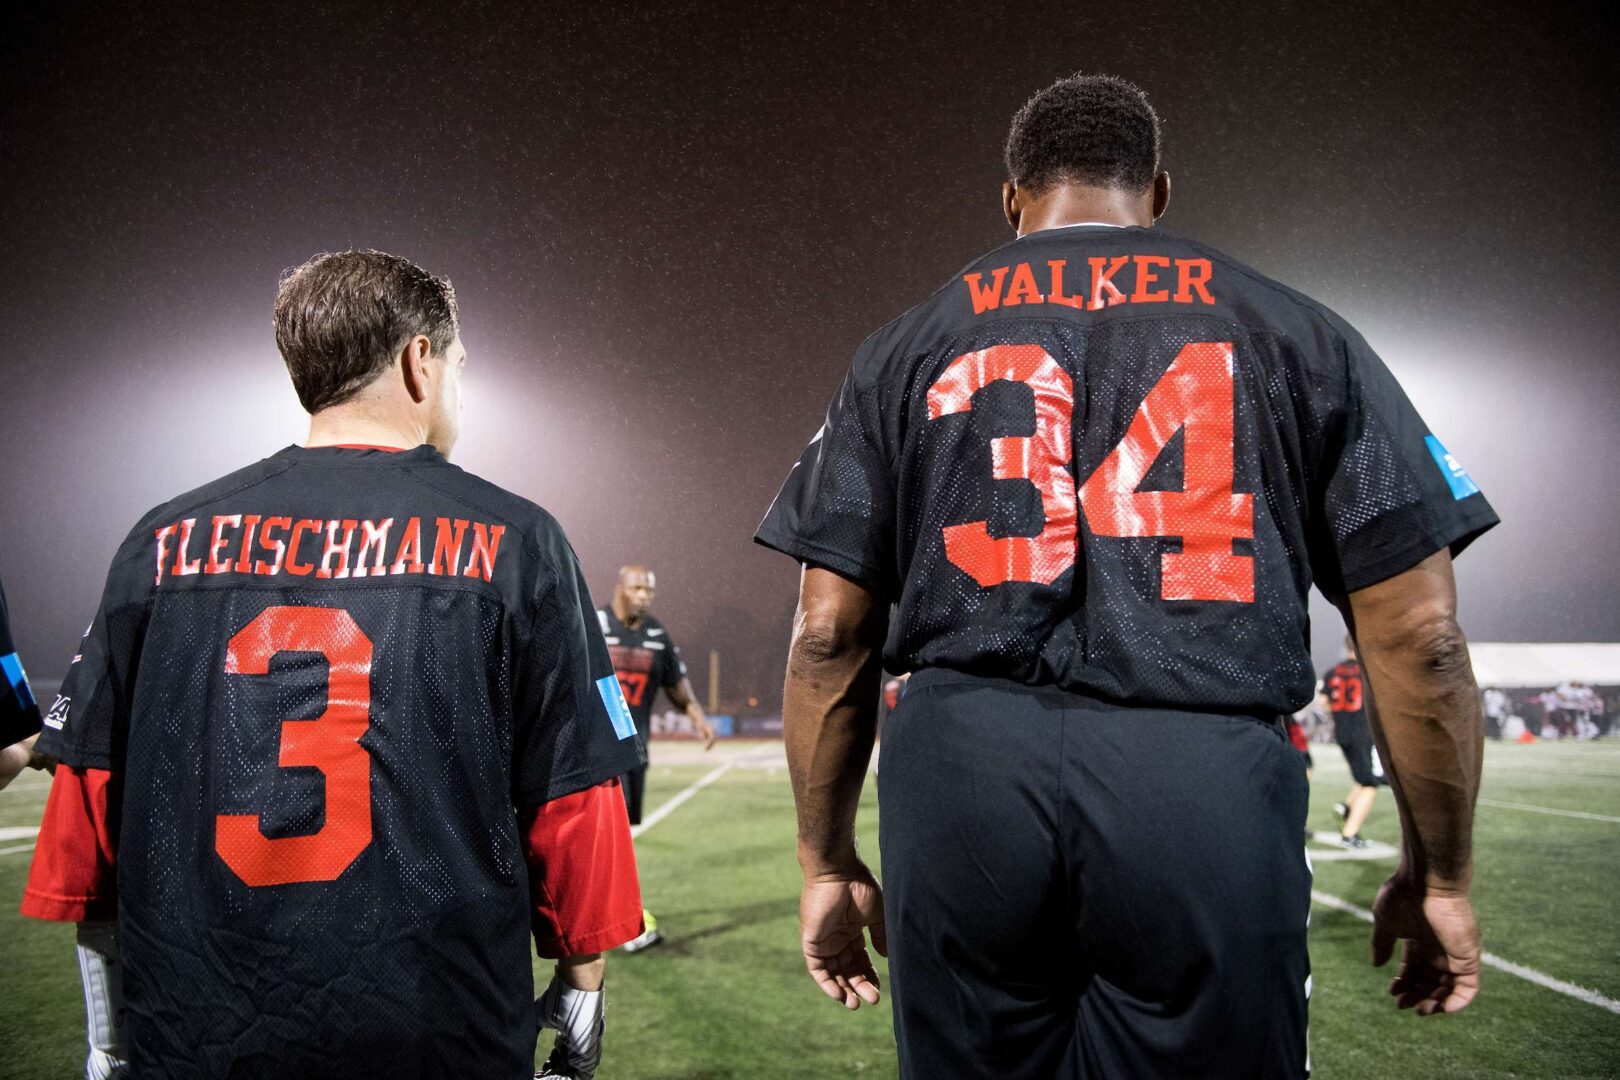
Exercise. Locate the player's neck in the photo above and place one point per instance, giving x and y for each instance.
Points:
(354, 425)
(622, 613)
(1077, 204)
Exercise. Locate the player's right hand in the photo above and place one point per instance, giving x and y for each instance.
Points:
(1440, 958)
(835, 910)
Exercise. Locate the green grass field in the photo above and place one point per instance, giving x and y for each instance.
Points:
(727, 995)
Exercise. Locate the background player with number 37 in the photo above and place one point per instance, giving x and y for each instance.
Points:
(646, 660)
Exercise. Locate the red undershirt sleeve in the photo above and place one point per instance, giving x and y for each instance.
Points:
(584, 894)
(74, 874)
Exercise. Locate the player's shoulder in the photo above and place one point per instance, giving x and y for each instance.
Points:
(198, 498)
(1261, 300)
(537, 527)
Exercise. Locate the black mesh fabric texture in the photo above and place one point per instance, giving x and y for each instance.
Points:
(319, 865)
(1229, 442)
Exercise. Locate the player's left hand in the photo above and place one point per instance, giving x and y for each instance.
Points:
(835, 911)
(17, 757)
(1440, 957)
(705, 732)
(578, 1018)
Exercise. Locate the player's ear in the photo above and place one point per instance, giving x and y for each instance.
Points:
(414, 367)
(1009, 203)
(1161, 194)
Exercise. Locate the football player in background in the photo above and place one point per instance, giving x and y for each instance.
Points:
(1346, 699)
(1082, 492)
(343, 734)
(646, 659)
(19, 713)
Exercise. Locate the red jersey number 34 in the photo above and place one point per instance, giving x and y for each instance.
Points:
(1195, 395)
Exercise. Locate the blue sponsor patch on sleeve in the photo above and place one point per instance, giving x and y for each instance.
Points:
(1462, 485)
(11, 664)
(618, 709)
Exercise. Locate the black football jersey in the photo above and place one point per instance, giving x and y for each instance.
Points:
(19, 713)
(1343, 689)
(644, 658)
(327, 681)
(1115, 461)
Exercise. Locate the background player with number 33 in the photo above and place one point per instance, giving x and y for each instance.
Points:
(1082, 493)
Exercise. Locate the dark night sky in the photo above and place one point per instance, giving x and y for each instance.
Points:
(670, 230)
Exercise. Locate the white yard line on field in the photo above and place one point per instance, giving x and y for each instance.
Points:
(1549, 810)
(674, 804)
(18, 832)
(1337, 852)
(1529, 974)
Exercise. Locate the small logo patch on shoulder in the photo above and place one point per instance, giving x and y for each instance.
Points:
(1462, 485)
(59, 712)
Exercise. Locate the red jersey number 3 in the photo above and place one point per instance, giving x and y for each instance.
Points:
(330, 743)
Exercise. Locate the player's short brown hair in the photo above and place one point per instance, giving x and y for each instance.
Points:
(342, 318)
(1086, 129)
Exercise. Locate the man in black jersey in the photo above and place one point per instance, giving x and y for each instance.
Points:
(19, 713)
(343, 733)
(645, 659)
(1082, 492)
(1347, 702)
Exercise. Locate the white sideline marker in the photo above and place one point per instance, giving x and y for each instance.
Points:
(18, 832)
(670, 807)
(1337, 852)
(1579, 993)
(1548, 810)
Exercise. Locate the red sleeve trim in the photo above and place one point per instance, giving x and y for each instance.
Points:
(583, 889)
(74, 877)
(1296, 735)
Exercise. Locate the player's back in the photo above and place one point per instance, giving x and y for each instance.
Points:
(1115, 460)
(316, 678)
(1346, 695)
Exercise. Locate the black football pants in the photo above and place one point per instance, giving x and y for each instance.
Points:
(634, 784)
(1073, 889)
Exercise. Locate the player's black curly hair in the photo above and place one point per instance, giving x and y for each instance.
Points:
(1087, 129)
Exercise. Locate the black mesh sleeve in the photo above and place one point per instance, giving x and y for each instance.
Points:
(88, 725)
(571, 726)
(19, 713)
(836, 509)
(1390, 495)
